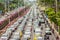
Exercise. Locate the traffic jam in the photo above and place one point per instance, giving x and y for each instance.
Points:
(32, 26)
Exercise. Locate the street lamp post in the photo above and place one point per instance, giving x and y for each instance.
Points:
(24, 2)
(8, 6)
(56, 5)
(5, 6)
(18, 7)
(56, 10)
(8, 9)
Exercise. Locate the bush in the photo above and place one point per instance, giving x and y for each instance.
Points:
(53, 17)
(51, 14)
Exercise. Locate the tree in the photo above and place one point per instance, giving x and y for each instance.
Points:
(52, 10)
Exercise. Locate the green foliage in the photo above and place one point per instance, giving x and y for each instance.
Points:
(53, 17)
(58, 18)
(51, 14)
(50, 11)
(46, 2)
(1, 6)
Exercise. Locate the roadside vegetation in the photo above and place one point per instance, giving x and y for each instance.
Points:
(9, 5)
(52, 10)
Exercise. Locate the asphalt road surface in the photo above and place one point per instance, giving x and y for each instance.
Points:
(31, 19)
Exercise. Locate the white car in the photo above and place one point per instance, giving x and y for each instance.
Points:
(8, 30)
(48, 31)
(12, 28)
(12, 39)
(28, 28)
(5, 36)
(38, 31)
(25, 37)
(41, 20)
(40, 16)
(16, 35)
(27, 33)
(40, 38)
(20, 28)
(29, 24)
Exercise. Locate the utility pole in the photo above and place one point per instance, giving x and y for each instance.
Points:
(5, 6)
(8, 5)
(8, 1)
(56, 6)
(18, 6)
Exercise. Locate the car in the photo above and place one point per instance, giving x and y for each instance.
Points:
(35, 38)
(26, 37)
(29, 24)
(27, 33)
(5, 36)
(38, 31)
(28, 28)
(20, 28)
(40, 38)
(35, 25)
(40, 16)
(41, 20)
(16, 24)
(11, 28)
(8, 32)
(13, 39)
(21, 33)
(15, 35)
(48, 31)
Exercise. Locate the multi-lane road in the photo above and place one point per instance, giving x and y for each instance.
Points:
(31, 26)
